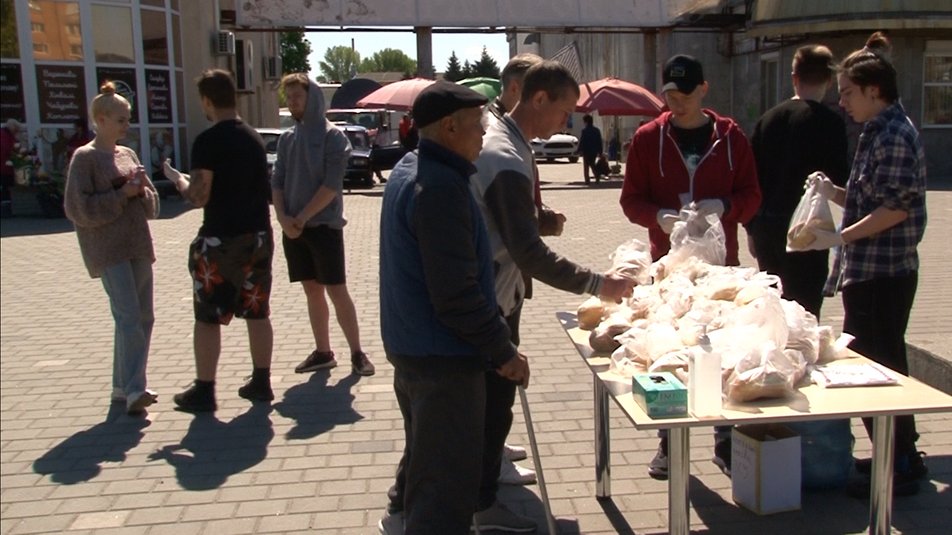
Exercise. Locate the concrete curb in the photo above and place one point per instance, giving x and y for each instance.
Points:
(930, 368)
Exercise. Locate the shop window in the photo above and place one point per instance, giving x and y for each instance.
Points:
(156, 3)
(155, 42)
(9, 46)
(937, 85)
(112, 34)
(176, 40)
(769, 81)
(60, 30)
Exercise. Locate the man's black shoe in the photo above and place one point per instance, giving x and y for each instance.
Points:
(197, 398)
(917, 468)
(722, 456)
(658, 467)
(256, 391)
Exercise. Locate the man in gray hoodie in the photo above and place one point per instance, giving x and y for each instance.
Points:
(306, 186)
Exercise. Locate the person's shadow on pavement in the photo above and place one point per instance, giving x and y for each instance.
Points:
(317, 407)
(79, 457)
(213, 450)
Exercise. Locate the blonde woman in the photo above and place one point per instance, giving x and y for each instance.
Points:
(110, 199)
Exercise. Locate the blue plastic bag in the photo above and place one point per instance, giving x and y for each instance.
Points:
(826, 452)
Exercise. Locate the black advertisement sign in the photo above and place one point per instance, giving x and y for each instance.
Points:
(11, 93)
(125, 82)
(158, 90)
(62, 93)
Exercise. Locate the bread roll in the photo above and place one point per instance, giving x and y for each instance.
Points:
(590, 313)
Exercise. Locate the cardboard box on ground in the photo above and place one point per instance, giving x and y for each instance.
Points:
(765, 468)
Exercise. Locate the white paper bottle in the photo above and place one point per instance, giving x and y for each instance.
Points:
(704, 380)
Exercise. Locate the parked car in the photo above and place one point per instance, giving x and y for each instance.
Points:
(270, 137)
(285, 120)
(557, 146)
(359, 171)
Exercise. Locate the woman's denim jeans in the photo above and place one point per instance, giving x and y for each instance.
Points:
(129, 287)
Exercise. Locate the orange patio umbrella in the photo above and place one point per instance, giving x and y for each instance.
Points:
(613, 96)
(396, 96)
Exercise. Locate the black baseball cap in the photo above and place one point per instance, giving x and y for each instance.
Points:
(442, 98)
(682, 73)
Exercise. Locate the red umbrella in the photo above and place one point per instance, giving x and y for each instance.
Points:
(396, 96)
(611, 96)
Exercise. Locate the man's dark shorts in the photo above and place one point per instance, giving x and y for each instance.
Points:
(317, 254)
(231, 277)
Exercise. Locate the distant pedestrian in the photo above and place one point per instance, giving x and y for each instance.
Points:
(591, 146)
(307, 185)
(230, 259)
(110, 199)
(791, 140)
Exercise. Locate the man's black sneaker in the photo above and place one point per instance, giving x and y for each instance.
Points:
(256, 391)
(658, 467)
(917, 468)
(196, 399)
(722, 456)
(317, 360)
(903, 485)
(361, 365)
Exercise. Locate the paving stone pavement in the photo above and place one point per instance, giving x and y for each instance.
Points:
(320, 458)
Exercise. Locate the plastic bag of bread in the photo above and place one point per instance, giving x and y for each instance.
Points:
(768, 372)
(813, 212)
(633, 260)
(602, 338)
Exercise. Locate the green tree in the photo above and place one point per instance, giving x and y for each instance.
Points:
(467, 70)
(294, 51)
(454, 72)
(9, 46)
(339, 65)
(486, 66)
(389, 60)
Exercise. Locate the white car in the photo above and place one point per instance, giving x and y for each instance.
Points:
(270, 137)
(557, 146)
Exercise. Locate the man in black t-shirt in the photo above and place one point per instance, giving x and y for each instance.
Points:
(790, 141)
(230, 260)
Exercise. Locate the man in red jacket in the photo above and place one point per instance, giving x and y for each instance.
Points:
(689, 155)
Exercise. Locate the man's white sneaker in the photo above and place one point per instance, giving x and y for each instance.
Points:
(513, 453)
(391, 524)
(512, 474)
(137, 402)
(500, 518)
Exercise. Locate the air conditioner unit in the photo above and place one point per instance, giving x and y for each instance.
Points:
(272, 68)
(225, 43)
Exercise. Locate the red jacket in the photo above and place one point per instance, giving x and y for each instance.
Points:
(655, 177)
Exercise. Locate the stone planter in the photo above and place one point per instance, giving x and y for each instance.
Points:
(30, 201)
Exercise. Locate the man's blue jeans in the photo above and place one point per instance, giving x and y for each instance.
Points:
(129, 287)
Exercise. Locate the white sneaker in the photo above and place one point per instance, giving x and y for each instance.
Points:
(391, 524)
(511, 473)
(136, 403)
(513, 453)
(500, 518)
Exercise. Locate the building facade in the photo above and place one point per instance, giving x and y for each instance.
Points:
(55, 54)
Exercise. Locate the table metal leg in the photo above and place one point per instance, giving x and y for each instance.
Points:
(679, 468)
(603, 478)
(881, 483)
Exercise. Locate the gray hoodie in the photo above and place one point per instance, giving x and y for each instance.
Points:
(312, 154)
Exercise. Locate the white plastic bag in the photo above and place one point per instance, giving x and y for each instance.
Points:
(812, 212)
(632, 259)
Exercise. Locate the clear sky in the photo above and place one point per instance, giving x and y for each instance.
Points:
(468, 46)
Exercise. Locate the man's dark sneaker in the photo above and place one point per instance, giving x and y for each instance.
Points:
(917, 468)
(256, 391)
(361, 365)
(722, 456)
(903, 485)
(196, 399)
(658, 467)
(317, 360)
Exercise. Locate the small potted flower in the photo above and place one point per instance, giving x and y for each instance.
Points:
(24, 163)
